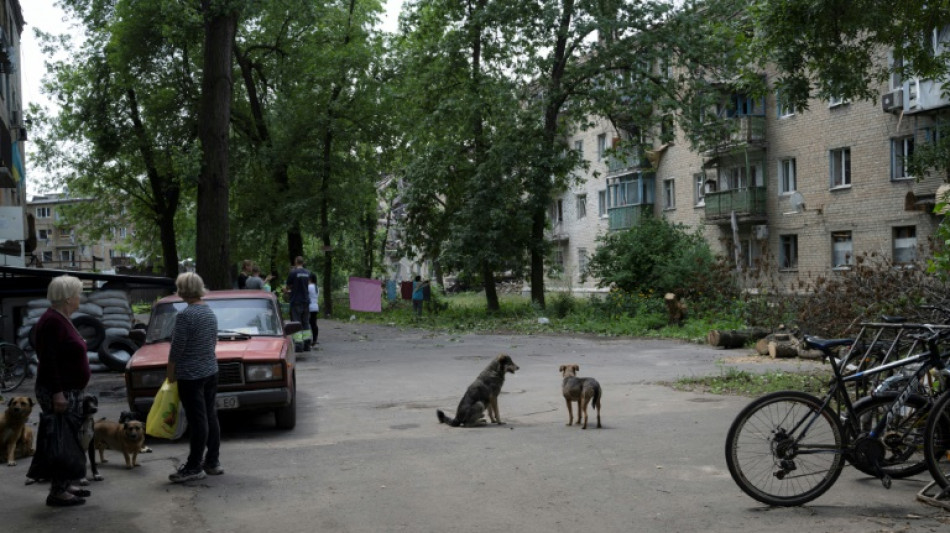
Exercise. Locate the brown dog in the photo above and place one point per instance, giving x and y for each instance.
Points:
(16, 437)
(126, 437)
(584, 391)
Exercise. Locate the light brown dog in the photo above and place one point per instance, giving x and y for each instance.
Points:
(584, 391)
(126, 437)
(16, 438)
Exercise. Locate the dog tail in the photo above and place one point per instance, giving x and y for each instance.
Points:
(596, 398)
(454, 422)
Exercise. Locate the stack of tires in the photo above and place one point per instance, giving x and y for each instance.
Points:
(104, 319)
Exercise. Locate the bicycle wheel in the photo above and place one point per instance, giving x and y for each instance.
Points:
(903, 437)
(937, 441)
(13, 366)
(784, 450)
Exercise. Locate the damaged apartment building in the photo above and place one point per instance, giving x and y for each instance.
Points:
(809, 191)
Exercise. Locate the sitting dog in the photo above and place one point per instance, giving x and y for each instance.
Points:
(16, 437)
(582, 391)
(482, 394)
(126, 437)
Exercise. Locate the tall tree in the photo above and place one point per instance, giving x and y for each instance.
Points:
(213, 237)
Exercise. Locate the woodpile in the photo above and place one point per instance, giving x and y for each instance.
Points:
(778, 345)
(734, 338)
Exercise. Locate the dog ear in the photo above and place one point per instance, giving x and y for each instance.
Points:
(10, 403)
(577, 368)
(561, 370)
(32, 402)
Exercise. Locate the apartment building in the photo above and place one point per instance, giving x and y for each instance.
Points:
(15, 244)
(62, 245)
(811, 190)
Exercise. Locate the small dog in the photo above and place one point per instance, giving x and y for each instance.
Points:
(15, 436)
(132, 416)
(581, 390)
(126, 437)
(482, 394)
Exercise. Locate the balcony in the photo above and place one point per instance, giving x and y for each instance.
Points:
(627, 216)
(618, 163)
(747, 203)
(737, 132)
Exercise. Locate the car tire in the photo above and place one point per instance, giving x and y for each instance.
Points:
(286, 416)
(91, 329)
(115, 352)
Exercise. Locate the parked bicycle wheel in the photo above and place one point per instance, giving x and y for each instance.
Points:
(783, 449)
(937, 441)
(13, 366)
(903, 439)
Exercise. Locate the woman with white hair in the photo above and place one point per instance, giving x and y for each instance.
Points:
(192, 363)
(63, 372)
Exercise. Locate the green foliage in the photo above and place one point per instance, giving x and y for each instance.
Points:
(655, 256)
(740, 382)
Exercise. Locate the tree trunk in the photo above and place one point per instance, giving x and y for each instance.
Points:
(734, 338)
(780, 350)
(294, 242)
(491, 292)
(212, 242)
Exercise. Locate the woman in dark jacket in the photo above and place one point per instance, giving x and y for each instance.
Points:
(63, 372)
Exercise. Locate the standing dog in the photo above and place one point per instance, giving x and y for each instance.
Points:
(482, 394)
(126, 437)
(582, 391)
(15, 436)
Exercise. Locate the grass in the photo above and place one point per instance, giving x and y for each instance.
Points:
(733, 381)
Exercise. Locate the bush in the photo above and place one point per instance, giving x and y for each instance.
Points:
(562, 304)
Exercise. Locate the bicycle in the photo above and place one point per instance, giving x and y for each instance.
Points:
(14, 366)
(788, 448)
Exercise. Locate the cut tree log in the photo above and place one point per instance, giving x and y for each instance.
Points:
(781, 350)
(734, 338)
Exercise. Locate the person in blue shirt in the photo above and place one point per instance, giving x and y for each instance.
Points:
(299, 298)
(418, 294)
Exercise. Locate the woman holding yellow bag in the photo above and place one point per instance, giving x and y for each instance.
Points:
(192, 364)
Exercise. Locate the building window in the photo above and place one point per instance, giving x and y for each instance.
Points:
(559, 259)
(43, 234)
(601, 146)
(579, 148)
(65, 232)
(43, 212)
(699, 189)
(840, 168)
(47, 257)
(842, 250)
(581, 206)
(905, 244)
(582, 261)
(901, 151)
(602, 204)
(669, 194)
(788, 252)
(67, 256)
(557, 211)
(783, 107)
(836, 101)
(749, 252)
(121, 232)
(786, 173)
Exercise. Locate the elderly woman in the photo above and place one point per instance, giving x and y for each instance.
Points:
(63, 371)
(192, 363)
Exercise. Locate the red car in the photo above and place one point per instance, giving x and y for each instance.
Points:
(256, 360)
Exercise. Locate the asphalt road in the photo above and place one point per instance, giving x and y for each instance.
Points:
(369, 456)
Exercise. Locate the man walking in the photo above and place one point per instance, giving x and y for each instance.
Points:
(299, 296)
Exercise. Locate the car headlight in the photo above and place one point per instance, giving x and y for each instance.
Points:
(148, 379)
(270, 372)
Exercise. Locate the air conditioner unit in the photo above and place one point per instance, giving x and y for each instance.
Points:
(893, 102)
(761, 232)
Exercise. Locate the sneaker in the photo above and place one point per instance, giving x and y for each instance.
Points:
(184, 474)
(213, 470)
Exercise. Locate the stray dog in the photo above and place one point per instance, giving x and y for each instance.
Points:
(581, 390)
(90, 406)
(130, 416)
(15, 436)
(126, 437)
(482, 394)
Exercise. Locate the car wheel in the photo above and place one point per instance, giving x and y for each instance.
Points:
(287, 416)
(115, 352)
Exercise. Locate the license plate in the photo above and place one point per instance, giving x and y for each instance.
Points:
(226, 402)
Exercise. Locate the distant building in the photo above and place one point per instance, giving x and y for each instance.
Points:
(62, 245)
(15, 241)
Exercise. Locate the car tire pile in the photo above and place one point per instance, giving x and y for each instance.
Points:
(104, 319)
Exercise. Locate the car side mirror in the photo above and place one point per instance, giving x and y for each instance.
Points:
(291, 327)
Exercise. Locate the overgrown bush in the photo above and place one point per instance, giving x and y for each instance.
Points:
(563, 304)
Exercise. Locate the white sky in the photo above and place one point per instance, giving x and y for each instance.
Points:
(48, 17)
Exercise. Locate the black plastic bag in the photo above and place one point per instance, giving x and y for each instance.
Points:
(58, 452)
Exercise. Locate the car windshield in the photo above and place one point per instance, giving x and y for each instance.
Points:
(253, 316)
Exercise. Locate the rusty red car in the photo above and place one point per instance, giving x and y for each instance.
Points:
(256, 359)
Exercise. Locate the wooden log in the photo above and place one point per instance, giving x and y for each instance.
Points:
(762, 346)
(781, 350)
(810, 354)
(734, 338)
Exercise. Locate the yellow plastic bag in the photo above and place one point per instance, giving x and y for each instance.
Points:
(165, 419)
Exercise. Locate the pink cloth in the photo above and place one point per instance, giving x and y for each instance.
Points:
(366, 295)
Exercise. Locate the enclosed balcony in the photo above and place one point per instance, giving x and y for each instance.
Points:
(747, 203)
(629, 198)
(626, 160)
